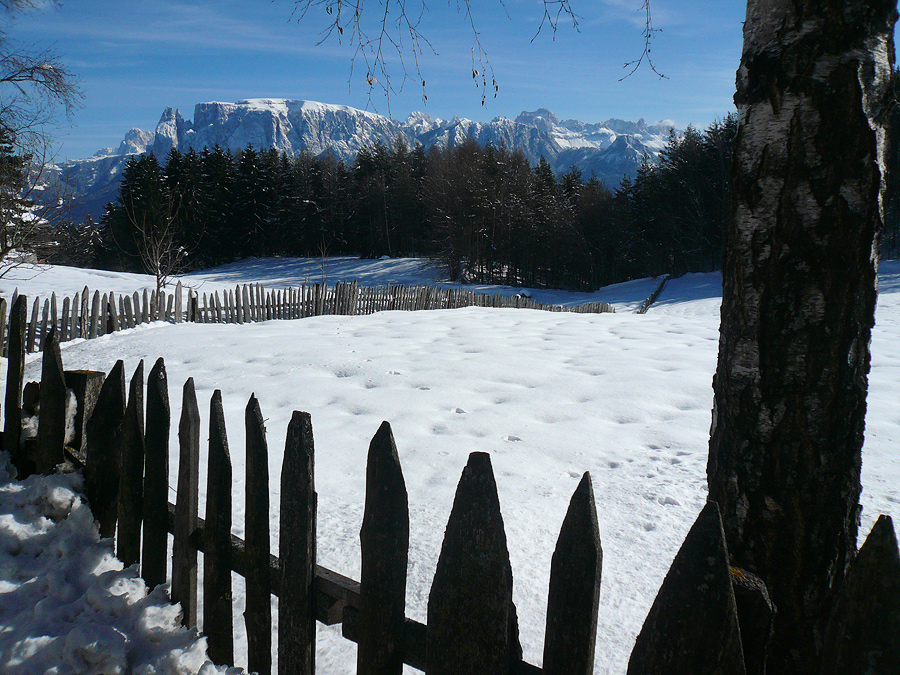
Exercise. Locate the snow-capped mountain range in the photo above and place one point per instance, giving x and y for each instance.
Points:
(610, 149)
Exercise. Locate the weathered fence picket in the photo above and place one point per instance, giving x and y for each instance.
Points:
(297, 551)
(33, 326)
(178, 303)
(384, 540)
(217, 606)
(83, 314)
(693, 623)
(15, 381)
(472, 625)
(52, 429)
(113, 323)
(258, 613)
(156, 476)
(95, 315)
(103, 450)
(574, 595)
(63, 324)
(42, 333)
(184, 554)
(131, 473)
(861, 636)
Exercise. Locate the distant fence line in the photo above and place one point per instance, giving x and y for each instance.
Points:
(88, 314)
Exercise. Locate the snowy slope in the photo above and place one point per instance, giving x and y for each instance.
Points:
(624, 396)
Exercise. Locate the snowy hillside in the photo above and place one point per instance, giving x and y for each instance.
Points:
(611, 149)
(549, 396)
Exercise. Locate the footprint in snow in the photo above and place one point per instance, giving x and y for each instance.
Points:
(668, 501)
(574, 474)
(512, 439)
(458, 411)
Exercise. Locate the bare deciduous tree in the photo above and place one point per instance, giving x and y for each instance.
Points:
(34, 86)
(157, 237)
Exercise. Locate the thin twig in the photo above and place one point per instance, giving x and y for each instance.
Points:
(647, 34)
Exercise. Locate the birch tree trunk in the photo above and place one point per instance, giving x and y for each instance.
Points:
(798, 302)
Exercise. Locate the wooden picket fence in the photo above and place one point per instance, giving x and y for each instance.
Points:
(472, 624)
(708, 618)
(89, 314)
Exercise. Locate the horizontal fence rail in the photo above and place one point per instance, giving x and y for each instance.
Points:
(89, 314)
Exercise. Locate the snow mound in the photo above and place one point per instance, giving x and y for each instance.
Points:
(66, 604)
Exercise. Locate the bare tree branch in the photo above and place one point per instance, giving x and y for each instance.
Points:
(395, 34)
(34, 85)
(156, 234)
(647, 33)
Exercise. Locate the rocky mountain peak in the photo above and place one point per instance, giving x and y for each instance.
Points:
(609, 149)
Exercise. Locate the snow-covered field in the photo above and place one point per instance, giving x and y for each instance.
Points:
(549, 396)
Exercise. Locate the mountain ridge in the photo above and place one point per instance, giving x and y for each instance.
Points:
(610, 149)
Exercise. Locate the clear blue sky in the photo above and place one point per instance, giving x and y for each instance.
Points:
(134, 58)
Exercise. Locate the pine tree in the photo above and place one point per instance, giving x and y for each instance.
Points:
(16, 228)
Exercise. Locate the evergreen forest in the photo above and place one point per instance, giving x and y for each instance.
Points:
(484, 212)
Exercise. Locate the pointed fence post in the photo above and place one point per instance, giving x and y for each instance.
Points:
(33, 326)
(93, 330)
(258, 615)
(63, 324)
(131, 474)
(104, 450)
(297, 551)
(4, 307)
(136, 307)
(246, 304)
(217, 608)
(178, 302)
(574, 597)
(73, 319)
(863, 633)
(52, 424)
(54, 312)
(44, 322)
(184, 554)
(156, 477)
(128, 311)
(15, 376)
(384, 540)
(84, 314)
(113, 322)
(692, 626)
(471, 618)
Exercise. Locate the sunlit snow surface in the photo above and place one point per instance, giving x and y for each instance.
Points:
(548, 395)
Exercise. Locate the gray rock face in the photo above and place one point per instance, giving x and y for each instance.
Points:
(610, 149)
